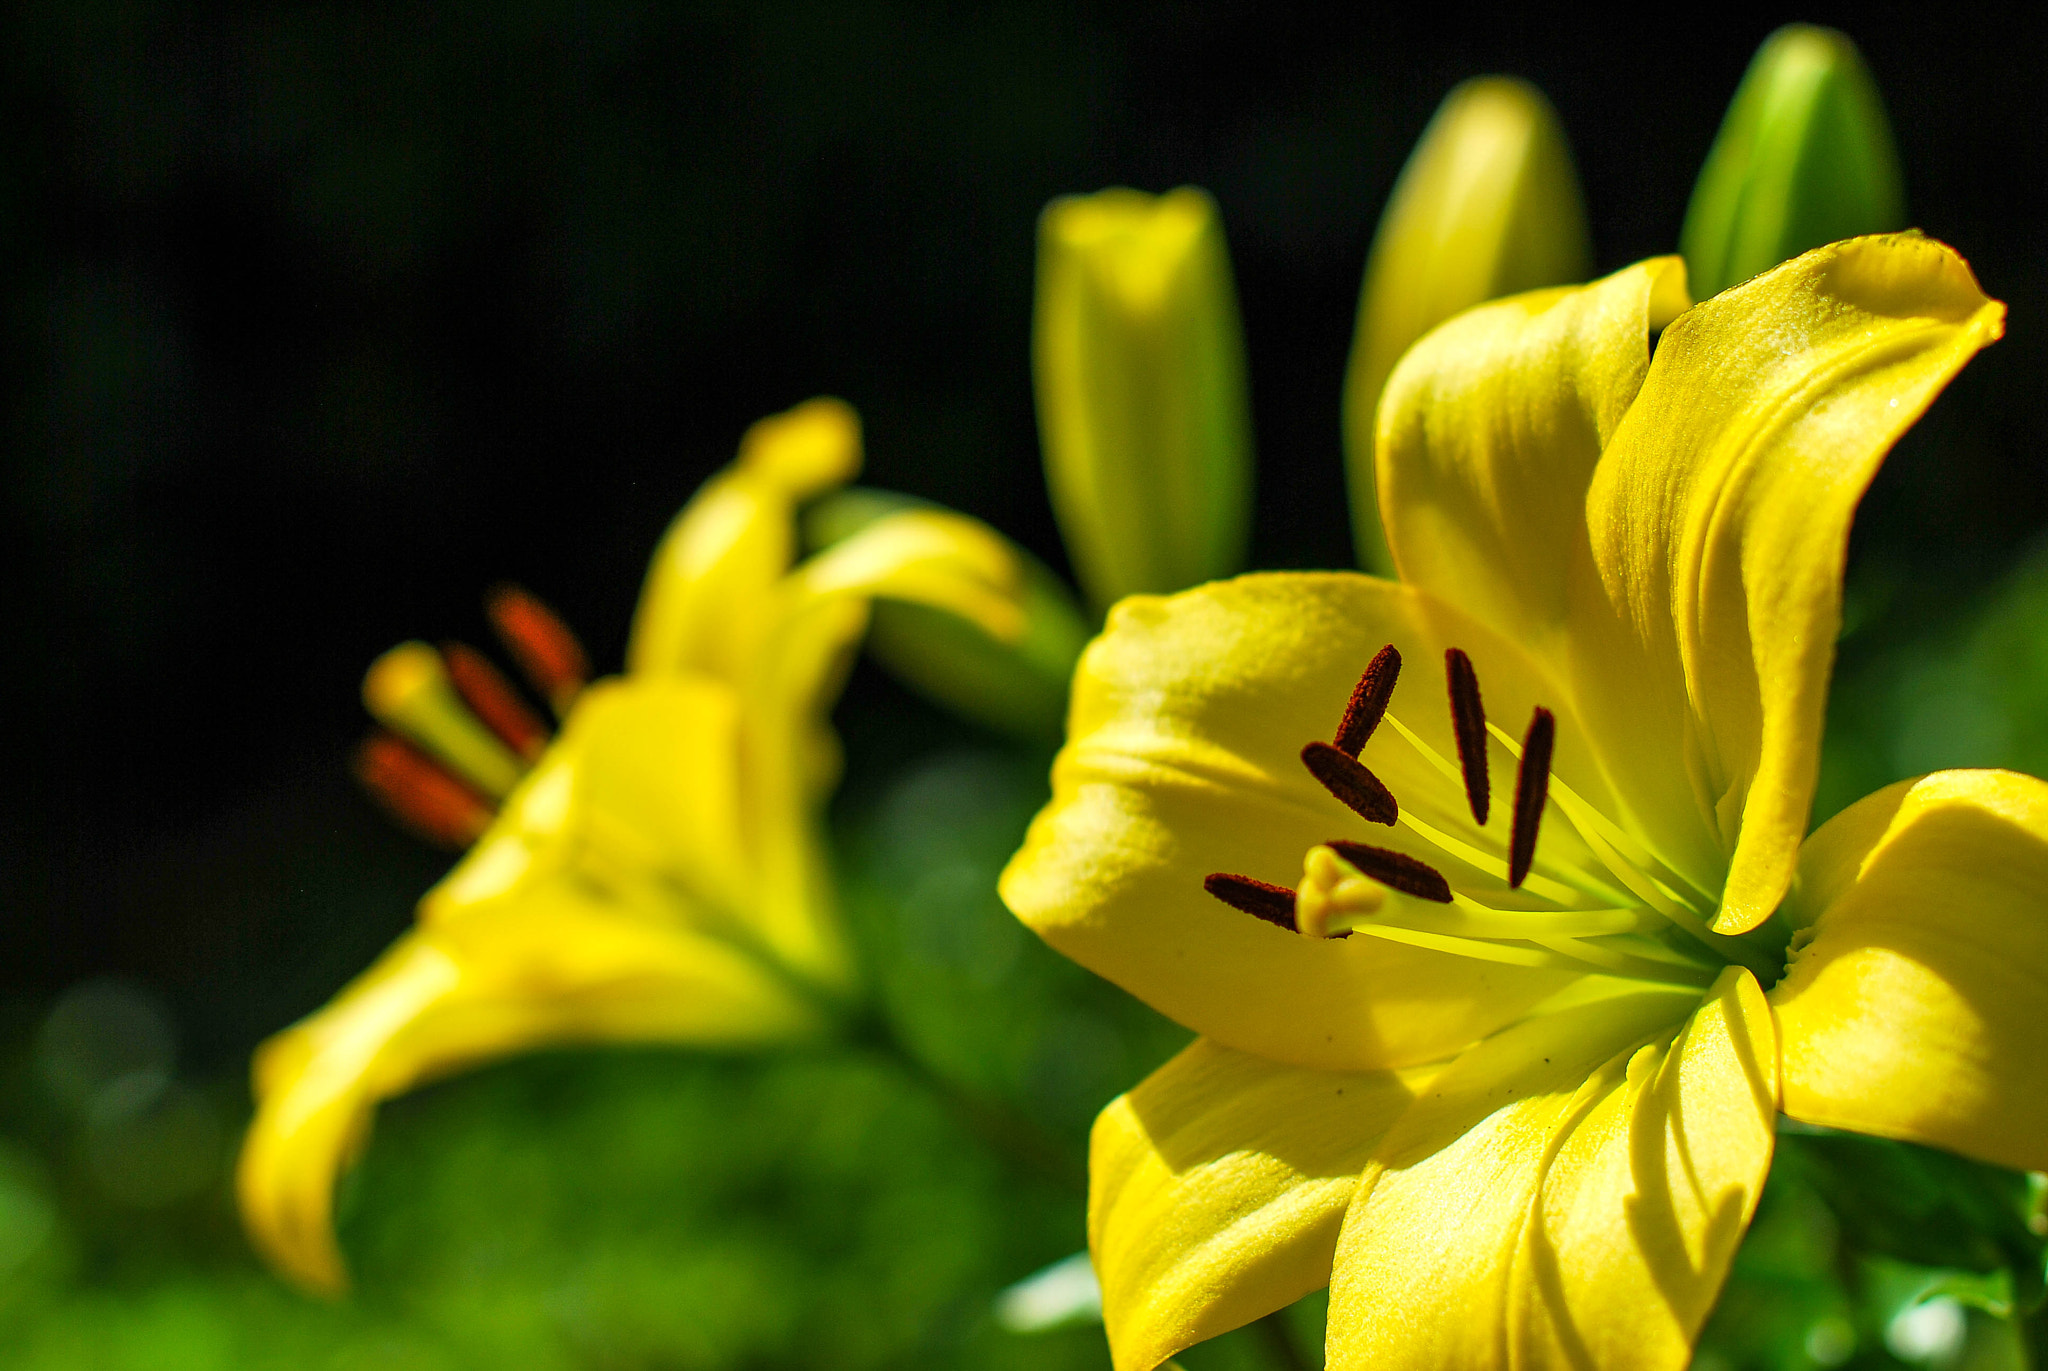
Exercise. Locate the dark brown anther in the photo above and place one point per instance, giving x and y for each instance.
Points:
(547, 652)
(492, 699)
(1468, 721)
(1273, 903)
(1396, 870)
(1369, 701)
(1346, 777)
(1532, 788)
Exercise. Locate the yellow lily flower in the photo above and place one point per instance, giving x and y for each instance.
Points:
(1504, 1072)
(658, 875)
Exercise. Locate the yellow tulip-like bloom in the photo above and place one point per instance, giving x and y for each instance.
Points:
(1503, 1069)
(657, 875)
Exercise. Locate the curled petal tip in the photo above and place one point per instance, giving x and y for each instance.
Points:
(316, 1084)
(537, 967)
(810, 448)
(929, 557)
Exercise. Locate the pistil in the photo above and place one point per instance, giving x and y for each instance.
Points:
(1337, 898)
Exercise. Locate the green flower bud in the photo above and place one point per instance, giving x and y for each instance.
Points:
(1143, 412)
(1488, 205)
(1017, 688)
(1804, 157)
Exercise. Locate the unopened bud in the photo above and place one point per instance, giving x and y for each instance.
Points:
(1143, 411)
(1804, 157)
(1488, 205)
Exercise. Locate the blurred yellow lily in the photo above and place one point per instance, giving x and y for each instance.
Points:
(1503, 1072)
(658, 874)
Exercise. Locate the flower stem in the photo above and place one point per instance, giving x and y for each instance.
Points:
(1018, 1139)
(1278, 1340)
(2034, 1337)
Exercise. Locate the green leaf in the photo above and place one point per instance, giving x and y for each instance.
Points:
(1919, 1204)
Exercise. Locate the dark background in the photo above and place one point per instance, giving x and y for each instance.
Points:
(319, 319)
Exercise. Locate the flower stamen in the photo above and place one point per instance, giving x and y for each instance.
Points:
(492, 699)
(1612, 844)
(1532, 788)
(1468, 722)
(421, 794)
(1337, 898)
(1368, 703)
(1273, 903)
(1348, 779)
(545, 648)
(408, 690)
(1396, 870)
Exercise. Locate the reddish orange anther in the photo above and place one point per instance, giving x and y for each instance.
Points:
(419, 794)
(491, 697)
(541, 643)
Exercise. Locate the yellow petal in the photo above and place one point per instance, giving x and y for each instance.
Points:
(704, 604)
(553, 967)
(929, 557)
(802, 451)
(1568, 1194)
(1488, 435)
(679, 796)
(789, 761)
(1719, 518)
(1488, 205)
(1912, 1008)
(1187, 723)
(643, 783)
(1216, 1189)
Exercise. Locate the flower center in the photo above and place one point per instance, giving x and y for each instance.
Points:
(456, 735)
(1619, 911)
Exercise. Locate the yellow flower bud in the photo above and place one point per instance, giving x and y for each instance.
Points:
(1488, 205)
(1143, 412)
(1804, 157)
